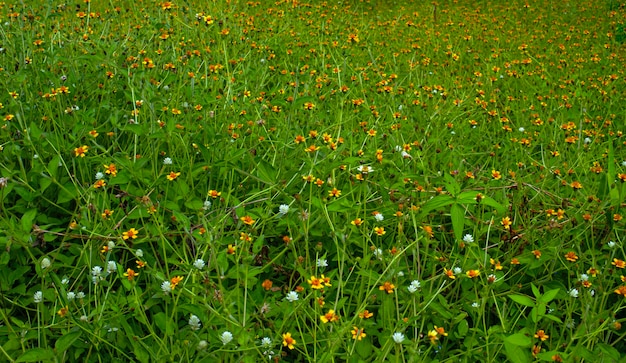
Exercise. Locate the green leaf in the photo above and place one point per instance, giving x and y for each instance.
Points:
(457, 213)
(66, 341)
(266, 172)
(523, 299)
(519, 339)
(37, 355)
(436, 203)
(53, 166)
(27, 220)
(463, 328)
(535, 291)
(515, 353)
(548, 296)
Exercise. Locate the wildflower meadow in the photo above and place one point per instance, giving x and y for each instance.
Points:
(312, 181)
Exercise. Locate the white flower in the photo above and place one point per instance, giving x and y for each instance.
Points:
(167, 161)
(521, 129)
(475, 304)
(400, 273)
(405, 155)
(378, 253)
(45, 263)
(266, 342)
(492, 278)
(84, 318)
(398, 148)
(587, 140)
(111, 245)
(592, 292)
(80, 295)
(99, 175)
(199, 264)
(71, 296)
(226, 337)
(365, 169)
(166, 287)
(624, 163)
(573, 293)
(468, 238)
(65, 281)
(398, 337)
(379, 217)
(202, 345)
(322, 263)
(292, 296)
(283, 209)
(414, 286)
(457, 270)
(584, 277)
(194, 322)
(206, 205)
(611, 244)
(38, 297)
(139, 253)
(111, 267)
(96, 271)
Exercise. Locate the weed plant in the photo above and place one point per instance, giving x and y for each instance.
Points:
(360, 181)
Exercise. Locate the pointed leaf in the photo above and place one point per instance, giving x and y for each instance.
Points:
(523, 299)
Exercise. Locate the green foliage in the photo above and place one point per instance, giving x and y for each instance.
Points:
(286, 181)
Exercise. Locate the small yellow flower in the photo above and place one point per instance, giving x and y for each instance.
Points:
(130, 234)
(540, 334)
(358, 333)
(174, 281)
(472, 273)
(571, 256)
(81, 151)
(247, 220)
(63, 311)
(380, 230)
(172, 176)
(316, 283)
(130, 274)
(330, 316)
(506, 223)
(365, 314)
(288, 341)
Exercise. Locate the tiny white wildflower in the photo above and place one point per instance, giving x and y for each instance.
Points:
(139, 253)
(573, 293)
(111, 245)
(80, 295)
(167, 161)
(468, 238)
(378, 253)
(226, 337)
(96, 271)
(111, 267)
(202, 345)
(194, 322)
(584, 277)
(624, 163)
(475, 304)
(206, 205)
(611, 244)
(587, 140)
(199, 264)
(84, 318)
(398, 148)
(398, 337)
(521, 129)
(266, 342)
(283, 209)
(365, 169)
(400, 273)
(379, 217)
(71, 296)
(406, 155)
(292, 296)
(166, 287)
(45, 263)
(38, 297)
(322, 263)
(457, 270)
(592, 293)
(99, 175)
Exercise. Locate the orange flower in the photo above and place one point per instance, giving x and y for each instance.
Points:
(506, 223)
(130, 274)
(537, 253)
(316, 283)
(358, 333)
(571, 256)
(540, 334)
(99, 184)
(496, 175)
(365, 314)
(388, 287)
(618, 263)
(449, 273)
(214, 193)
(130, 234)
(380, 230)
(330, 316)
(110, 169)
(63, 311)
(334, 193)
(621, 291)
(288, 341)
(231, 249)
(81, 151)
(267, 284)
(172, 176)
(472, 273)
(247, 220)
(174, 281)
(576, 185)
(357, 222)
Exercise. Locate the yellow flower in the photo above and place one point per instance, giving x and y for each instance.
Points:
(174, 281)
(365, 314)
(387, 287)
(506, 223)
(247, 220)
(541, 335)
(330, 316)
(110, 169)
(81, 151)
(379, 230)
(130, 234)
(472, 273)
(130, 274)
(316, 283)
(357, 333)
(288, 341)
(172, 176)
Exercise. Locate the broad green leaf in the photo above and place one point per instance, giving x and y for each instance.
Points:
(53, 166)
(535, 291)
(462, 328)
(37, 355)
(515, 353)
(457, 213)
(519, 339)
(27, 220)
(66, 341)
(523, 299)
(436, 203)
(266, 172)
(548, 296)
